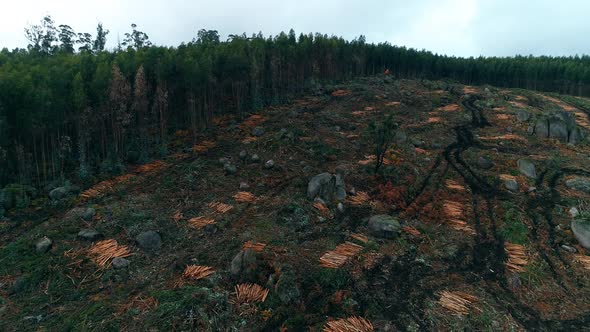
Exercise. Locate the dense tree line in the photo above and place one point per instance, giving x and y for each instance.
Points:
(68, 104)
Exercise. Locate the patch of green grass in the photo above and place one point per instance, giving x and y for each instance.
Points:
(535, 273)
(514, 230)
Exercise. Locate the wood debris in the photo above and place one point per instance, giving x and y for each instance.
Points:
(336, 258)
(341, 93)
(323, 209)
(350, 324)
(434, 119)
(250, 293)
(140, 303)
(393, 103)
(220, 207)
(584, 260)
(459, 303)
(244, 197)
(152, 167)
(359, 198)
(411, 230)
(453, 209)
(177, 216)
(512, 137)
(196, 272)
(203, 146)
(449, 108)
(104, 251)
(104, 187)
(255, 246)
(369, 109)
(200, 222)
(517, 258)
(454, 185)
(461, 226)
(359, 237)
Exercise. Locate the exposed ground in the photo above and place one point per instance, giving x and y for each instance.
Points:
(472, 255)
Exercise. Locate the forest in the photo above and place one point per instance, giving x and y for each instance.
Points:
(70, 108)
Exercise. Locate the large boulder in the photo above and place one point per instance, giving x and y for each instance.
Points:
(384, 226)
(149, 240)
(579, 184)
(327, 186)
(560, 125)
(527, 167)
(511, 185)
(89, 234)
(581, 230)
(484, 162)
(522, 115)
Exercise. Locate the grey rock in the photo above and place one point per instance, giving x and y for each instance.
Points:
(574, 212)
(568, 248)
(223, 161)
(286, 287)
(575, 136)
(149, 240)
(522, 115)
(514, 281)
(230, 169)
(579, 184)
(20, 284)
(581, 230)
(400, 137)
(255, 158)
(89, 234)
(269, 164)
(340, 207)
(244, 185)
(558, 129)
(511, 185)
(243, 155)
(542, 128)
(58, 193)
(384, 226)
(484, 162)
(80, 213)
(257, 131)
(244, 263)
(527, 167)
(308, 169)
(43, 245)
(327, 186)
(120, 263)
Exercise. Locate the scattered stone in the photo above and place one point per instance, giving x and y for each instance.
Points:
(514, 281)
(230, 169)
(384, 226)
(80, 213)
(484, 163)
(255, 158)
(531, 189)
(257, 131)
(400, 137)
(522, 115)
(244, 263)
(568, 248)
(58, 193)
(511, 185)
(527, 167)
(20, 284)
(581, 230)
(223, 161)
(308, 169)
(43, 245)
(319, 200)
(149, 240)
(340, 207)
(269, 164)
(579, 184)
(89, 234)
(286, 286)
(574, 212)
(244, 185)
(120, 263)
(327, 186)
(560, 125)
(243, 155)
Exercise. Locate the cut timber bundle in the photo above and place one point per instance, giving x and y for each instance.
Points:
(517, 258)
(220, 207)
(411, 230)
(360, 237)
(255, 246)
(336, 258)
(203, 146)
(322, 208)
(350, 324)
(250, 293)
(244, 197)
(177, 216)
(453, 209)
(454, 185)
(196, 272)
(584, 260)
(152, 167)
(360, 198)
(104, 251)
(104, 187)
(459, 303)
(200, 222)
(461, 226)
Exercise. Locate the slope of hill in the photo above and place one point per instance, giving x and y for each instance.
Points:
(467, 224)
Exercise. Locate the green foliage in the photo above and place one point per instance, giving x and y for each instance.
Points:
(513, 230)
(380, 134)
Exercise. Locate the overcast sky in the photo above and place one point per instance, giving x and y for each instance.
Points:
(454, 27)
